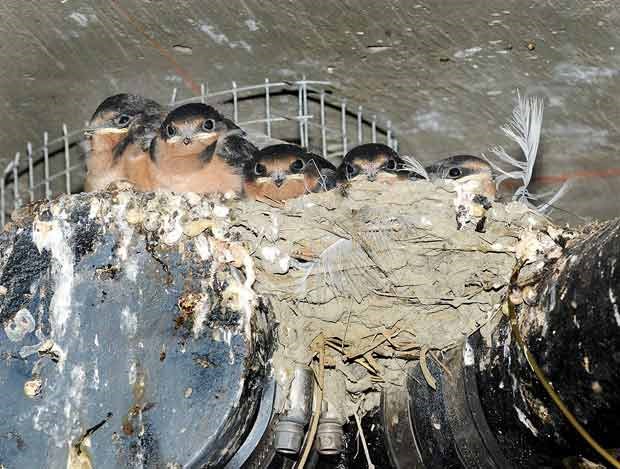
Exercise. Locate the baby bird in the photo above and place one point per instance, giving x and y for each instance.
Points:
(198, 150)
(472, 173)
(116, 139)
(281, 172)
(371, 161)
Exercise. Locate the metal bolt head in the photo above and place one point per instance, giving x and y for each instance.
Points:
(329, 437)
(288, 436)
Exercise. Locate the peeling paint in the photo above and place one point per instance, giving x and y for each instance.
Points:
(251, 24)
(220, 38)
(81, 19)
(461, 54)
(576, 73)
(429, 121)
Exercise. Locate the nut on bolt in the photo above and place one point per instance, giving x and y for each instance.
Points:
(329, 433)
(289, 436)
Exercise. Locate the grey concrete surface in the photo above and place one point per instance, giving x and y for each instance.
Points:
(444, 71)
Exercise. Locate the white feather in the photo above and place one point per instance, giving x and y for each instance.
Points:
(413, 166)
(525, 128)
(343, 267)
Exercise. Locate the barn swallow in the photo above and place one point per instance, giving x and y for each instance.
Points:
(281, 172)
(116, 137)
(199, 150)
(373, 161)
(471, 172)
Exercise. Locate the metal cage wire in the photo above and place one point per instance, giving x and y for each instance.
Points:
(322, 123)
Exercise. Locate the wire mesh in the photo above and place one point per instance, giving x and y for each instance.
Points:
(305, 112)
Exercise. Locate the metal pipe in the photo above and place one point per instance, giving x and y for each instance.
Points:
(510, 396)
(290, 430)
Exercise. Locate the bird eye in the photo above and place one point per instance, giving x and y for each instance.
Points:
(260, 169)
(350, 169)
(297, 166)
(390, 165)
(208, 125)
(170, 130)
(122, 120)
(454, 172)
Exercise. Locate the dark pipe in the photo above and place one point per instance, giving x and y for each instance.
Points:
(491, 410)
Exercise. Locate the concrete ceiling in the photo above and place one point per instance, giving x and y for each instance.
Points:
(444, 71)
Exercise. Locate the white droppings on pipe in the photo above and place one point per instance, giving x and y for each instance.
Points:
(95, 382)
(28, 350)
(54, 236)
(202, 308)
(95, 205)
(270, 253)
(239, 393)
(284, 263)
(202, 247)
(132, 375)
(131, 269)
(468, 354)
(129, 322)
(525, 421)
(614, 305)
(125, 230)
(174, 233)
(20, 325)
(280, 262)
(220, 211)
(273, 233)
(249, 297)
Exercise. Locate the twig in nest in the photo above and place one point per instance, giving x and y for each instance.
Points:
(385, 352)
(393, 295)
(344, 337)
(271, 202)
(440, 363)
(359, 353)
(448, 347)
(337, 344)
(372, 362)
(430, 380)
(363, 438)
(318, 345)
(363, 363)
(342, 368)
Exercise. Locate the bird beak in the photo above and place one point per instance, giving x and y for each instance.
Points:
(104, 130)
(372, 177)
(206, 136)
(187, 140)
(278, 180)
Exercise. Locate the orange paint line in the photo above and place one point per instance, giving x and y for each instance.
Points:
(560, 178)
(184, 74)
(602, 173)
